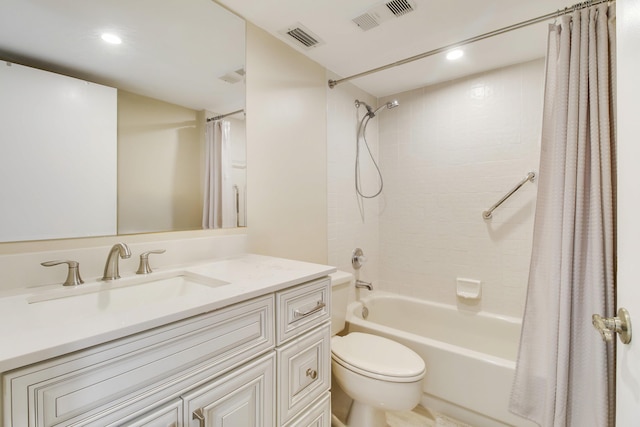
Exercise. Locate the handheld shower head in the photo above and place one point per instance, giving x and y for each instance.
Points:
(371, 112)
(389, 105)
(362, 129)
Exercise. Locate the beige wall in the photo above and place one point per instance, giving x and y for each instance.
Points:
(286, 152)
(158, 186)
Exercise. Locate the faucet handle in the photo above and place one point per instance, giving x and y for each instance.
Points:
(73, 275)
(144, 267)
(358, 258)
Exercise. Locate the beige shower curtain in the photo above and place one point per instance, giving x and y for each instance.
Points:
(565, 373)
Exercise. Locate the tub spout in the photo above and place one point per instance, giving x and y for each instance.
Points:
(363, 284)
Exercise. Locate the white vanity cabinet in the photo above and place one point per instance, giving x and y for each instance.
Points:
(317, 415)
(110, 383)
(243, 398)
(304, 357)
(264, 362)
(168, 415)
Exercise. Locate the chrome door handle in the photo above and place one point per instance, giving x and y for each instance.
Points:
(299, 315)
(607, 326)
(198, 415)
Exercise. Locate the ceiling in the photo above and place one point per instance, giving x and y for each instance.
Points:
(348, 50)
(177, 50)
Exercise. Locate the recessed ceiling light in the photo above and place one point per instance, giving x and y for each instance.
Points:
(455, 54)
(111, 38)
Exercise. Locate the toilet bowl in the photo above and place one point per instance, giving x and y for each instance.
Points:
(377, 373)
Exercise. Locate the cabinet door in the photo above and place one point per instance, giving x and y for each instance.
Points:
(304, 371)
(243, 398)
(169, 415)
(317, 415)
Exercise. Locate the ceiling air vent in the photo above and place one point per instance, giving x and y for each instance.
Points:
(233, 76)
(400, 7)
(382, 12)
(366, 21)
(302, 36)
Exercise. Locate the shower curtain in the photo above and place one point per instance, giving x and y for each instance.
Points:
(565, 374)
(219, 205)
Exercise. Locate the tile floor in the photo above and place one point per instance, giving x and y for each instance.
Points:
(398, 419)
(419, 417)
(416, 418)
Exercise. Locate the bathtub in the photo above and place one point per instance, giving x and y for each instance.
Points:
(470, 357)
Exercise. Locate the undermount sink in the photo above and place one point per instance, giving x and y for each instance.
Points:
(133, 292)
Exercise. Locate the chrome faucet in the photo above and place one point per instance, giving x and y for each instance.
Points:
(363, 284)
(111, 271)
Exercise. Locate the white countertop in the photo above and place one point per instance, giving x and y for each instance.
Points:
(49, 321)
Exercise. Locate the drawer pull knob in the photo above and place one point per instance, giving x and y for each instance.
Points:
(199, 415)
(299, 315)
(312, 373)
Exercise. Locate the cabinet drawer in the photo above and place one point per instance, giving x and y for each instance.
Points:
(304, 371)
(317, 415)
(169, 415)
(302, 308)
(123, 378)
(242, 398)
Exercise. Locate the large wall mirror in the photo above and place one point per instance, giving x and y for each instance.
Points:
(172, 99)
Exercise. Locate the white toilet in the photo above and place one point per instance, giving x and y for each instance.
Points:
(377, 373)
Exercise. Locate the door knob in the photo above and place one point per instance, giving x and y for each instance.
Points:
(607, 326)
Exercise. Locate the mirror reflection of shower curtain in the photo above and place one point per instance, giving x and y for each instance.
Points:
(219, 204)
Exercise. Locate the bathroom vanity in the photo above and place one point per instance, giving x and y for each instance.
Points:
(242, 341)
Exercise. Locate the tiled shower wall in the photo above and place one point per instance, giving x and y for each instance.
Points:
(349, 226)
(447, 153)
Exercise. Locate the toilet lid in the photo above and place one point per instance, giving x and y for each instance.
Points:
(377, 357)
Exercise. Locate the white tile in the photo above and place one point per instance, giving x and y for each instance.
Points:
(447, 153)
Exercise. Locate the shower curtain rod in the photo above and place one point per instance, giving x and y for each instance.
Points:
(556, 14)
(222, 116)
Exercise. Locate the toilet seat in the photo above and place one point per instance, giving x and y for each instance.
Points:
(377, 357)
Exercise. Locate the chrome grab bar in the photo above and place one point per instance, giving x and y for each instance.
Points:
(530, 177)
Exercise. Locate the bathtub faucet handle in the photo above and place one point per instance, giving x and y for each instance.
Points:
(358, 258)
(363, 284)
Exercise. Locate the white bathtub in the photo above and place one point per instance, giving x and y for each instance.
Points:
(470, 357)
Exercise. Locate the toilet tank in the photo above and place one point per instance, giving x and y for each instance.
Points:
(341, 282)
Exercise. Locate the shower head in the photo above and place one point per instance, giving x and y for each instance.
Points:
(389, 105)
(367, 106)
(371, 112)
